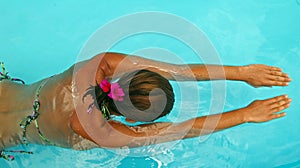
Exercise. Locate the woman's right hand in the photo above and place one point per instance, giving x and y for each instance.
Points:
(266, 110)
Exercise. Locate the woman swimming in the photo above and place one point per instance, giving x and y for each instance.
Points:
(73, 109)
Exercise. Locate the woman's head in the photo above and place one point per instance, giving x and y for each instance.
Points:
(148, 96)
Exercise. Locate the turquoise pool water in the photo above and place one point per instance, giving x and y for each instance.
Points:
(39, 39)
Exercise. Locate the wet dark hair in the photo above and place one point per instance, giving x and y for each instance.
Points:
(148, 96)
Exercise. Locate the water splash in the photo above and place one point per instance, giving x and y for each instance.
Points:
(159, 163)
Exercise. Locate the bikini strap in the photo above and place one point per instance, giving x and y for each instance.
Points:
(11, 157)
(6, 156)
(33, 117)
(4, 75)
(27, 120)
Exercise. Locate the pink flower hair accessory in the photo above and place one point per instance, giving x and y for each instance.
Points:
(105, 85)
(114, 90)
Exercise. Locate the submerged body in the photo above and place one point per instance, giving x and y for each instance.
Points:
(56, 111)
(64, 120)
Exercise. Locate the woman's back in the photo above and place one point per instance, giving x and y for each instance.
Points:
(56, 108)
(15, 105)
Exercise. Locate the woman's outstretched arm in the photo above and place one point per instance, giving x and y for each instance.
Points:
(116, 134)
(256, 75)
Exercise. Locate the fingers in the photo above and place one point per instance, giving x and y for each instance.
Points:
(266, 110)
(275, 76)
(275, 116)
(273, 68)
(276, 99)
(277, 104)
(276, 83)
(278, 78)
(280, 105)
(277, 73)
(268, 76)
